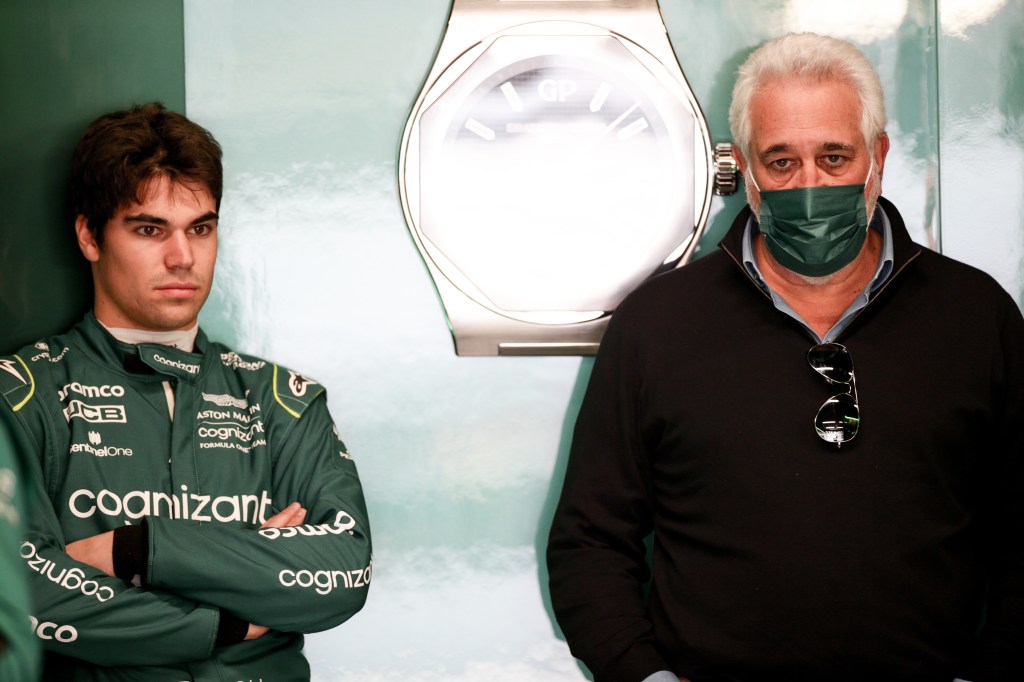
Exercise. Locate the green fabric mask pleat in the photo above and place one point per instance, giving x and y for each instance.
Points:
(814, 231)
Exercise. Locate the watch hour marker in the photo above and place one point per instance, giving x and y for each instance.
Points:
(622, 117)
(633, 129)
(476, 127)
(599, 97)
(512, 96)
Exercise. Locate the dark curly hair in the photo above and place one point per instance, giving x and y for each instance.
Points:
(120, 152)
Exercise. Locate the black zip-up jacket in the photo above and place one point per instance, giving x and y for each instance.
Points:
(776, 555)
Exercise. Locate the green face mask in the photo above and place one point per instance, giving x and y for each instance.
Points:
(814, 231)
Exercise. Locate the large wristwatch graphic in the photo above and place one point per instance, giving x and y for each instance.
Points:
(554, 160)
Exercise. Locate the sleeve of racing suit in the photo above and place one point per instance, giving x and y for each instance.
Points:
(295, 579)
(80, 612)
(131, 547)
(19, 648)
(596, 554)
(75, 609)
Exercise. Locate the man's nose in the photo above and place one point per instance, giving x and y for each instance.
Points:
(810, 175)
(178, 252)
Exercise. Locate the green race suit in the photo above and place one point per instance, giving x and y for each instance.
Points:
(246, 438)
(19, 649)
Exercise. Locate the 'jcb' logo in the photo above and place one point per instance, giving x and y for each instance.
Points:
(95, 414)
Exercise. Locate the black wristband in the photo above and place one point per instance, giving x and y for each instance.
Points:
(231, 629)
(130, 549)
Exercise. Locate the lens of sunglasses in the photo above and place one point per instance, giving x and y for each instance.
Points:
(832, 361)
(838, 419)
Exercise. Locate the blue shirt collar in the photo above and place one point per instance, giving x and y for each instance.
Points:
(879, 223)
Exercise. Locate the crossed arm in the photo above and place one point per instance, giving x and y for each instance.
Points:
(98, 550)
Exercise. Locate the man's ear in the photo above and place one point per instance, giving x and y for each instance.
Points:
(881, 150)
(86, 239)
(741, 161)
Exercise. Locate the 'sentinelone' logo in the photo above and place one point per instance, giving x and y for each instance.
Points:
(95, 447)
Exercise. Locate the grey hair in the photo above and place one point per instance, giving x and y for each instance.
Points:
(807, 55)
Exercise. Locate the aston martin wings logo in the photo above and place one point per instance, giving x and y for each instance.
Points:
(8, 366)
(226, 400)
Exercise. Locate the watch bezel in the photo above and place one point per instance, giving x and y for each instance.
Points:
(470, 70)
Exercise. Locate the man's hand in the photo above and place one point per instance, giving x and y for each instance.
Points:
(256, 631)
(292, 515)
(97, 551)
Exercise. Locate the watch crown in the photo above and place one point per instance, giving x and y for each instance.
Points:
(726, 180)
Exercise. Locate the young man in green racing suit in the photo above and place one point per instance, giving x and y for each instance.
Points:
(197, 510)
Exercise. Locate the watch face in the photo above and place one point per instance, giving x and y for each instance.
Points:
(556, 181)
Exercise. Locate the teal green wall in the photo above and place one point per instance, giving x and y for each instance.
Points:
(62, 64)
(981, 115)
(461, 458)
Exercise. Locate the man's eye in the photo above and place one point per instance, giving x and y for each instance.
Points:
(147, 230)
(780, 164)
(834, 160)
(202, 230)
